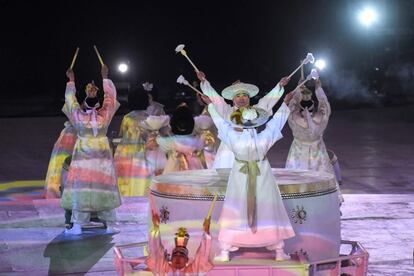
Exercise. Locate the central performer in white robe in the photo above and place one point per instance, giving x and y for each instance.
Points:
(224, 156)
(253, 213)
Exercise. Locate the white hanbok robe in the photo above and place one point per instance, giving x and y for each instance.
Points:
(224, 156)
(272, 222)
(308, 151)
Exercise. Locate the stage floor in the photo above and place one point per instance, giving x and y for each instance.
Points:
(31, 239)
(375, 148)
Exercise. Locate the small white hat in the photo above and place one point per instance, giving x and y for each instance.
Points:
(240, 87)
(148, 86)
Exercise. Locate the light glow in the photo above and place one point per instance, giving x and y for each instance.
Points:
(367, 16)
(123, 68)
(320, 64)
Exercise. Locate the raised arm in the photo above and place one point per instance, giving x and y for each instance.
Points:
(271, 98)
(71, 106)
(323, 106)
(226, 133)
(272, 132)
(202, 262)
(294, 100)
(157, 259)
(220, 104)
(110, 104)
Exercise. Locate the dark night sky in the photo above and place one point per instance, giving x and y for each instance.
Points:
(255, 41)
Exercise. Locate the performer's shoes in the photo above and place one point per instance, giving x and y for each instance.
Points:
(112, 230)
(223, 257)
(281, 255)
(68, 225)
(75, 230)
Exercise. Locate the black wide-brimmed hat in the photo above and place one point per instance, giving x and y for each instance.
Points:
(182, 121)
(137, 99)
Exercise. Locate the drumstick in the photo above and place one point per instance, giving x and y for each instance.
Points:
(182, 80)
(180, 48)
(210, 211)
(313, 75)
(184, 53)
(300, 66)
(99, 56)
(195, 89)
(309, 58)
(299, 85)
(302, 75)
(74, 58)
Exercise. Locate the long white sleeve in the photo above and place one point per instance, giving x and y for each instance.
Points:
(295, 101)
(225, 130)
(271, 98)
(220, 104)
(323, 106)
(272, 132)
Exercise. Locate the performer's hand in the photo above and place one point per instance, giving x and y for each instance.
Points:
(288, 97)
(70, 75)
(92, 93)
(151, 143)
(155, 220)
(204, 99)
(104, 71)
(284, 81)
(201, 76)
(206, 226)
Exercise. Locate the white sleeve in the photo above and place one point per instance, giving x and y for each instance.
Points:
(226, 133)
(272, 132)
(295, 101)
(323, 106)
(219, 103)
(271, 98)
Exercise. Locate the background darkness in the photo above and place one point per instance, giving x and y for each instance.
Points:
(254, 41)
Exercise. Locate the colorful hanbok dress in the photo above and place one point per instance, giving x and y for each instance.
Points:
(184, 152)
(133, 169)
(157, 157)
(308, 151)
(62, 149)
(91, 184)
(208, 135)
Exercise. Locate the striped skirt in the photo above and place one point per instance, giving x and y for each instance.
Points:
(133, 169)
(91, 183)
(61, 150)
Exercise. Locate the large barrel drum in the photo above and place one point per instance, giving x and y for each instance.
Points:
(310, 198)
